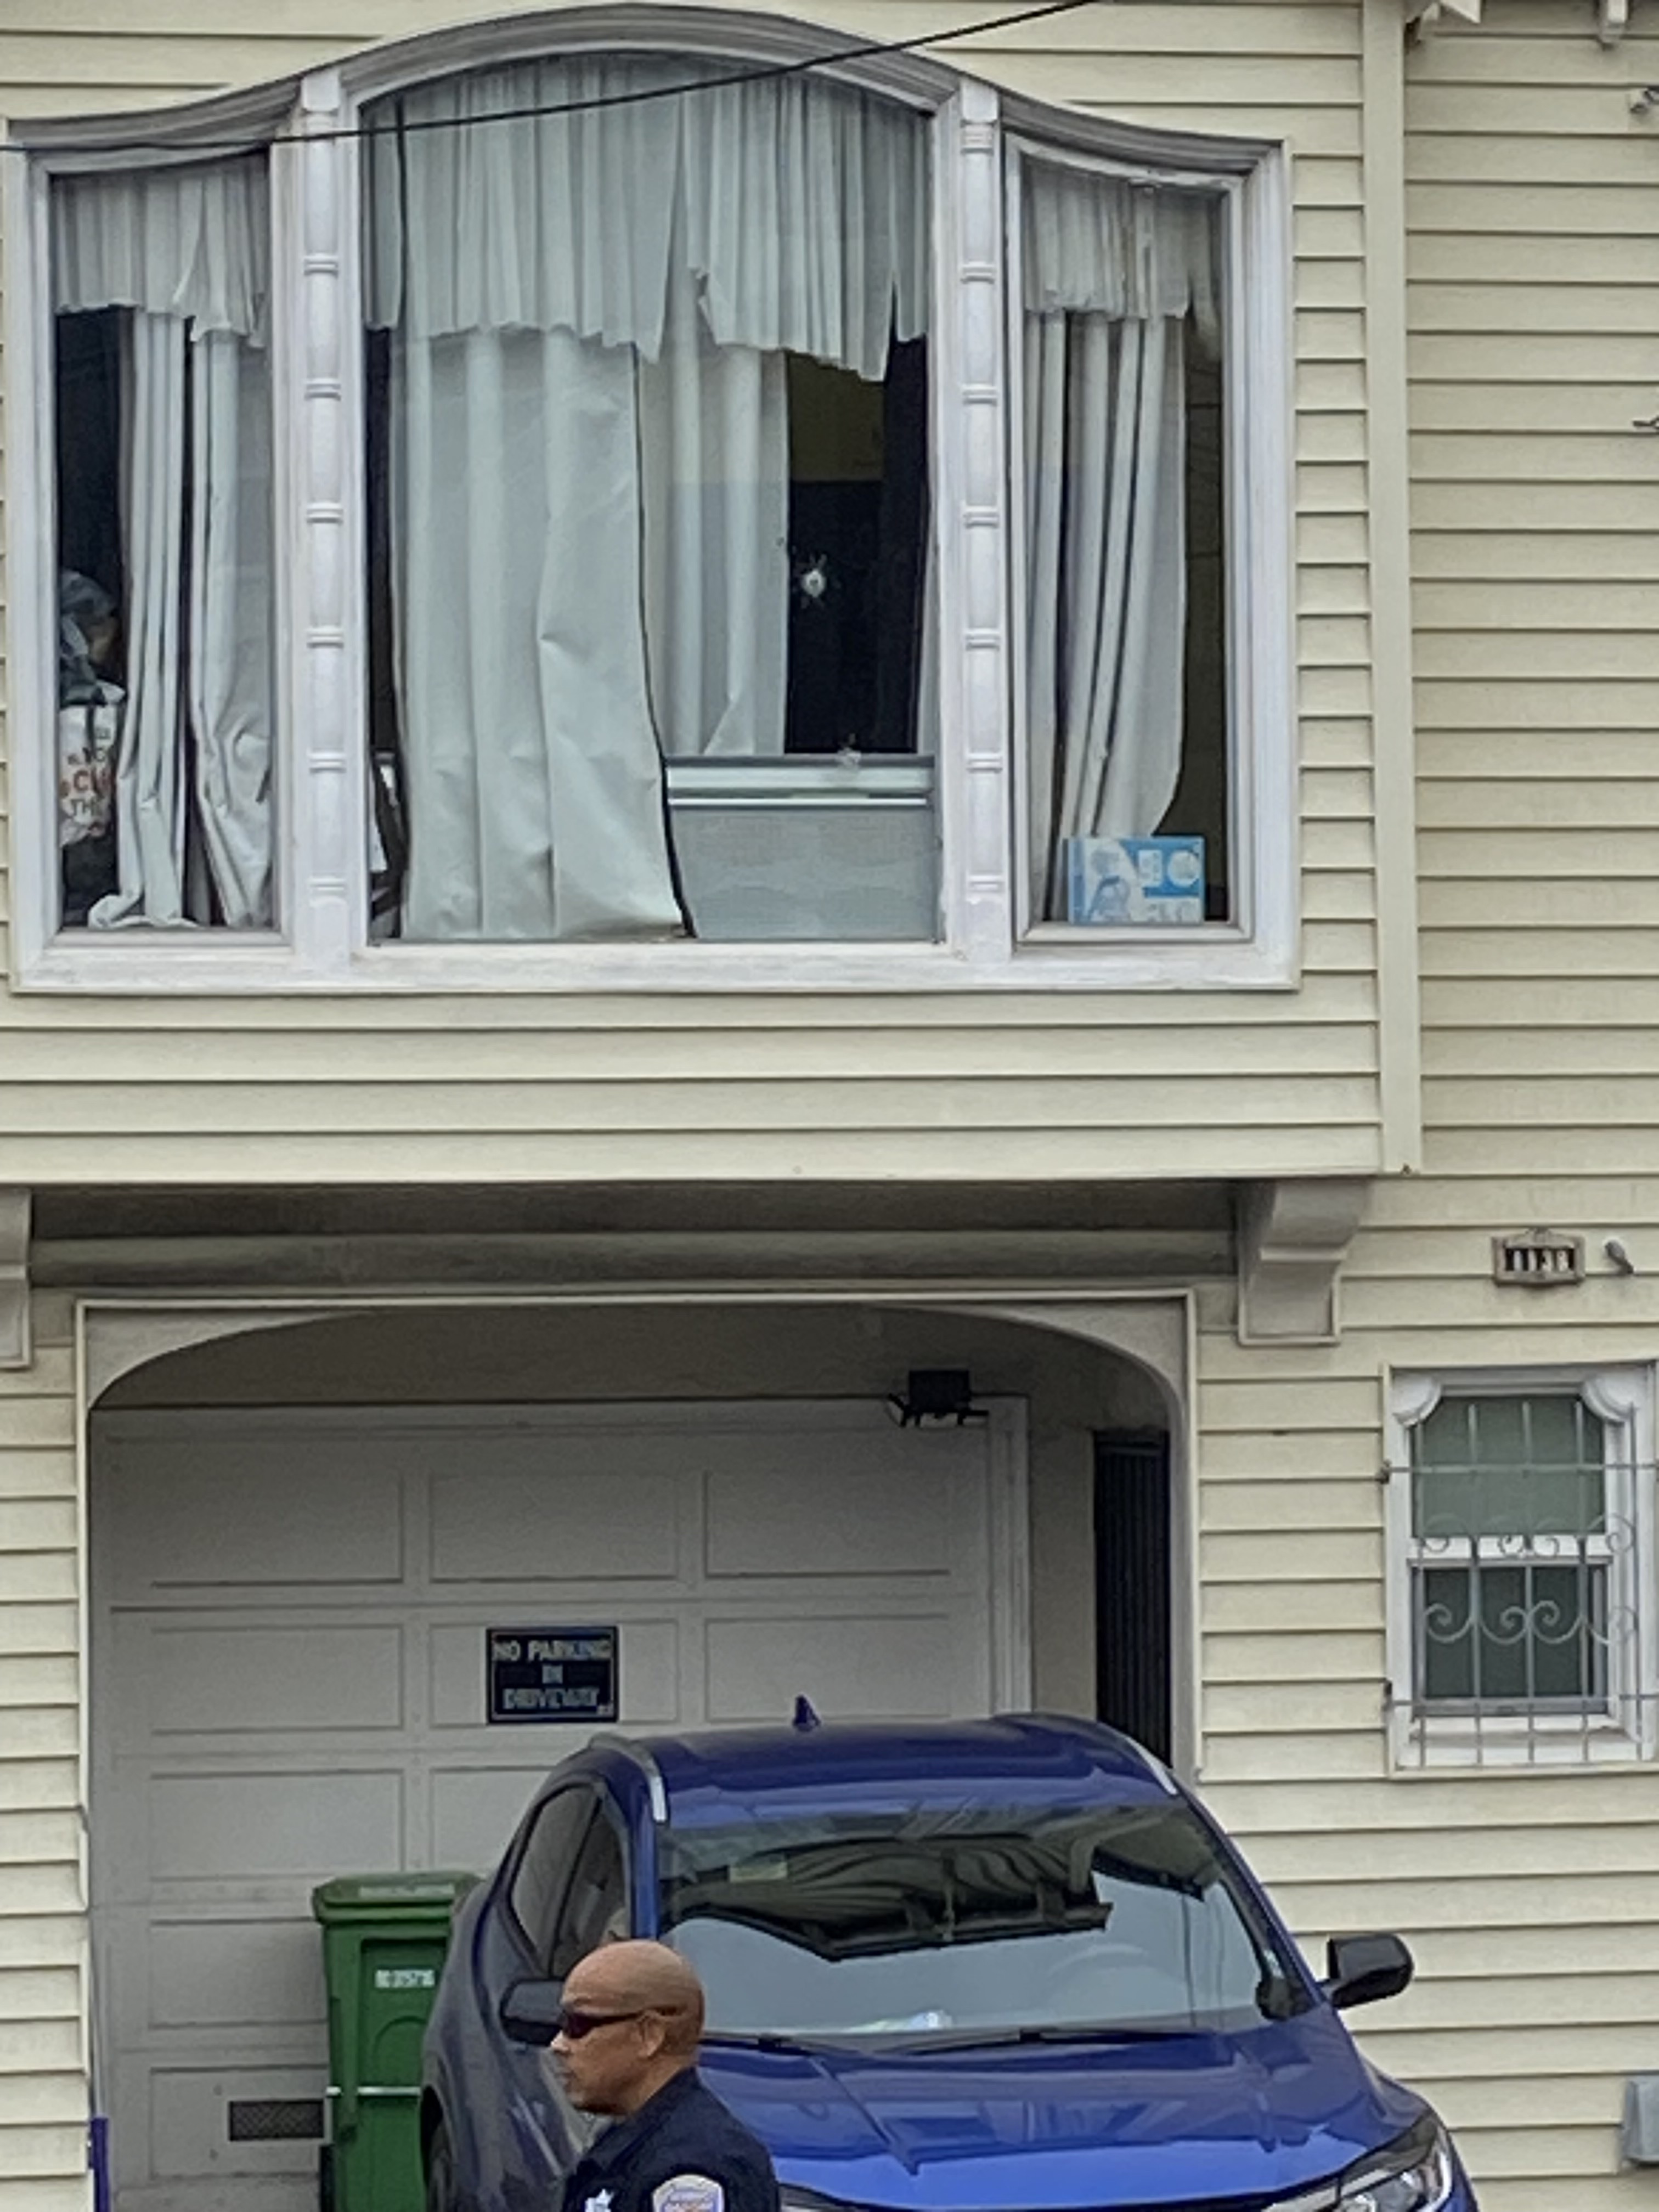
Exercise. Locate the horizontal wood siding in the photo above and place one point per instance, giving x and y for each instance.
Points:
(43, 2084)
(648, 1087)
(1530, 1899)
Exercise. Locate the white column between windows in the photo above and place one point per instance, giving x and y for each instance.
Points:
(971, 415)
(319, 350)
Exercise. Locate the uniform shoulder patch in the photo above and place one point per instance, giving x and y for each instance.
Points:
(689, 2192)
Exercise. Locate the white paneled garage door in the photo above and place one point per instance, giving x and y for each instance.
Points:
(289, 1681)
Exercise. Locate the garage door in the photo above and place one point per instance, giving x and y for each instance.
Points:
(290, 1615)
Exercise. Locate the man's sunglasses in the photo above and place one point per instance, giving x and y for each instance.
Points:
(573, 2023)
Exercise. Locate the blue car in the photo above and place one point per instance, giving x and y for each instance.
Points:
(1004, 1965)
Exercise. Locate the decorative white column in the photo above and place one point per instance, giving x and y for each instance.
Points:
(971, 414)
(320, 350)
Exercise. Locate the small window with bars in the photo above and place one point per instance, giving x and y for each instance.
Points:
(1524, 1615)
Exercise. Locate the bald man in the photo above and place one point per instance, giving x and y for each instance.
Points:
(627, 2047)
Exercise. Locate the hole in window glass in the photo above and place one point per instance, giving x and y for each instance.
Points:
(166, 684)
(648, 575)
(1128, 799)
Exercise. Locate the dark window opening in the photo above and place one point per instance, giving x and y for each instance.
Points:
(858, 508)
(1202, 806)
(1134, 1648)
(91, 588)
(388, 830)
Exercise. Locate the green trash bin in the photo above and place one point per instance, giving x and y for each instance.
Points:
(383, 1939)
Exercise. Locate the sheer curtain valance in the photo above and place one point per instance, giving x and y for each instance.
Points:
(1109, 245)
(192, 242)
(798, 207)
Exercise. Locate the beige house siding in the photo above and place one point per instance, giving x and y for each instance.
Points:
(1530, 1899)
(43, 2094)
(553, 1088)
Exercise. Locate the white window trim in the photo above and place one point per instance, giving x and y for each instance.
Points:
(1263, 863)
(1622, 1398)
(322, 944)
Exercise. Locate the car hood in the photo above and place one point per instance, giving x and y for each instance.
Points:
(1025, 2128)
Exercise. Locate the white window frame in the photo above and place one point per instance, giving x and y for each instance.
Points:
(1623, 1726)
(1261, 864)
(321, 943)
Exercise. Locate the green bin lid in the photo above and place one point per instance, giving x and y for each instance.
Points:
(391, 1896)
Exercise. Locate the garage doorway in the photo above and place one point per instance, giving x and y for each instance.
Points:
(290, 1615)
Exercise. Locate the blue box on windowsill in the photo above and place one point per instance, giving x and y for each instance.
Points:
(1132, 882)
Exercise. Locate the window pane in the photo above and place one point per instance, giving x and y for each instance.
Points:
(1522, 1466)
(544, 1873)
(647, 403)
(166, 681)
(1128, 778)
(1512, 1635)
(595, 1908)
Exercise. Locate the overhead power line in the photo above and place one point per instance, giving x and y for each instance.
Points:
(760, 72)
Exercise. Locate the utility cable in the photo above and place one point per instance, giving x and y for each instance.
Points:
(760, 72)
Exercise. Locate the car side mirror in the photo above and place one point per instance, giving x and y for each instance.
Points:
(1365, 1969)
(530, 2012)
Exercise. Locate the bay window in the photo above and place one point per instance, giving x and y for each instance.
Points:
(616, 516)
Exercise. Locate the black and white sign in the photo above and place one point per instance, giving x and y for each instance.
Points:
(550, 1673)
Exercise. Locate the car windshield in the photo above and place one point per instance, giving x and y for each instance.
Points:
(945, 1923)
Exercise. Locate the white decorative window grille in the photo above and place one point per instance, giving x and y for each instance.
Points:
(1522, 1620)
(900, 779)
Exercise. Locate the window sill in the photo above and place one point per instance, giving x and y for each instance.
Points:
(196, 964)
(1552, 1744)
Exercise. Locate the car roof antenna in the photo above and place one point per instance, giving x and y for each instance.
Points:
(806, 1718)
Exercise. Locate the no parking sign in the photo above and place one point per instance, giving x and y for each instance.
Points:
(550, 1674)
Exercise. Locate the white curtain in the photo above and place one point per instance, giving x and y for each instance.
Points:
(799, 206)
(534, 783)
(193, 242)
(1113, 272)
(150, 788)
(232, 677)
(714, 469)
(590, 312)
(186, 254)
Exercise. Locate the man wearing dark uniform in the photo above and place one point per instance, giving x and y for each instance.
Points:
(627, 2047)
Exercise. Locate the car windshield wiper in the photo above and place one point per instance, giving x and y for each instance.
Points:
(799, 2046)
(993, 2039)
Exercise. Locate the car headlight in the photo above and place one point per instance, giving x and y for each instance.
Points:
(1414, 2174)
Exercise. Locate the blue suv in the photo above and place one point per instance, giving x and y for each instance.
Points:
(1004, 1965)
